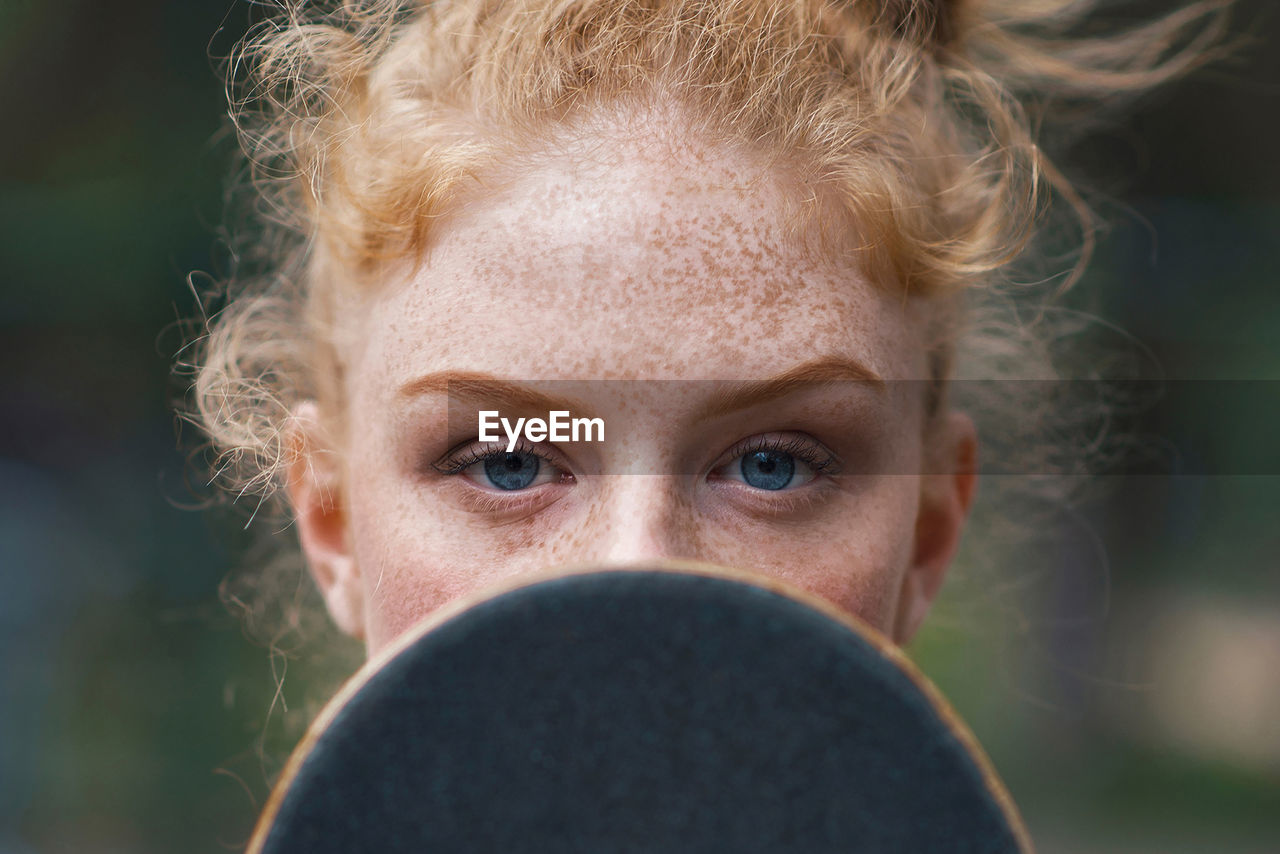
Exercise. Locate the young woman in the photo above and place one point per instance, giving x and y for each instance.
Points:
(753, 238)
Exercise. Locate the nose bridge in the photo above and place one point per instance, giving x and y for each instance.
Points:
(645, 517)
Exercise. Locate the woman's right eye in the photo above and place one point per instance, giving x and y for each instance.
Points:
(510, 471)
(500, 470)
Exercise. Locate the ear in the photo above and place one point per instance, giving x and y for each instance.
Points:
(946, 495)
(315, 491)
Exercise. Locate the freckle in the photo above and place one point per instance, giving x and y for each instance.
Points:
(518, 537)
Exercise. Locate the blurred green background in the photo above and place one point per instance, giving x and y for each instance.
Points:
(1124, 674)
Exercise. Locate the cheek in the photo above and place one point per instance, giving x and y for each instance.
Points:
(855, 558)
(410, 566)
(405, 571)
(415, 553)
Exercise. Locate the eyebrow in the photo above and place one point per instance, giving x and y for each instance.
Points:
(472, 385)
(828, 370)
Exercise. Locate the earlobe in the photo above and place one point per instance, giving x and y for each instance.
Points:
(946, 496)
(316, 495)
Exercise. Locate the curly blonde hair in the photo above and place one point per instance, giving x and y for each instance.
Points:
(362, 121)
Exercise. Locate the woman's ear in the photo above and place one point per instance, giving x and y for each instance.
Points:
(946, 495)
(315, 491)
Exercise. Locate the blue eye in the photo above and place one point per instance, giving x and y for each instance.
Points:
(511, 471)
(768, 469)
(494, 468)
(778, 462)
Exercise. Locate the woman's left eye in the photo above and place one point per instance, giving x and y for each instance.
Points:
(774, 468)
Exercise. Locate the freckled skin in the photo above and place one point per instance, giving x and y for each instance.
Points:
(666, 262)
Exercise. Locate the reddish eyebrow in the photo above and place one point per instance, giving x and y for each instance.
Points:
(476, 386)
(828, 370)
(471, 385)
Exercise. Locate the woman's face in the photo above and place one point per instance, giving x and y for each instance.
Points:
(744, 380)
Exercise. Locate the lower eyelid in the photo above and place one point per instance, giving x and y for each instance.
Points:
(782, 501)
(480, 500)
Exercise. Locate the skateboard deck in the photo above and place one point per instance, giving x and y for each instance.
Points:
(682, 708)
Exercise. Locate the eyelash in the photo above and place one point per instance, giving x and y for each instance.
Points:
(807, 451)
(456, 462)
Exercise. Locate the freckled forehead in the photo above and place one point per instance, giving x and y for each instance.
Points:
(632, 261)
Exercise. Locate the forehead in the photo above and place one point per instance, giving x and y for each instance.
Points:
(628, 255)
